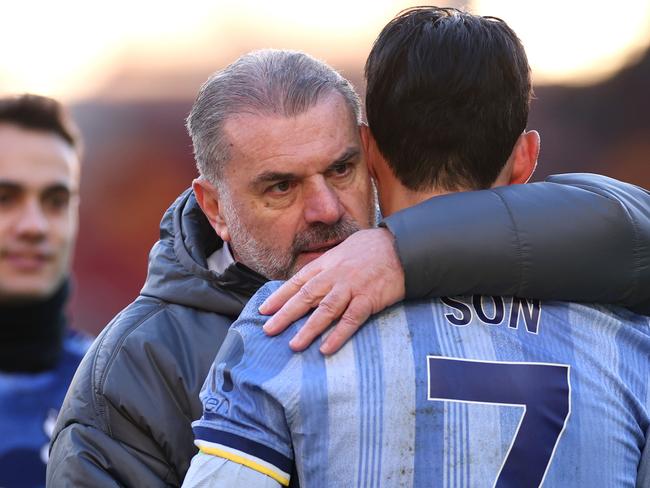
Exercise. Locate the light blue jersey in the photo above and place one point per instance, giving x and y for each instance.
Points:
(455, 392)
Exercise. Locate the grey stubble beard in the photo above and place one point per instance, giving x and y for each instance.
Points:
(279, 264)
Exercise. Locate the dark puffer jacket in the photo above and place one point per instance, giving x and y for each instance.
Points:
(126, 418)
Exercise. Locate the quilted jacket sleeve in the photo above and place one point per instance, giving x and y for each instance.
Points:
(86, 456)
(103, 436)
(578, 237)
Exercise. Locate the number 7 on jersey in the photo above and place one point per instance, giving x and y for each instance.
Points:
(542, 389)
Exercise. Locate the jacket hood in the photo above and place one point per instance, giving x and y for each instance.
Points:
(178, 270)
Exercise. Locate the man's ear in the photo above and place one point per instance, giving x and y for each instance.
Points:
(523, 159)
(207, 197)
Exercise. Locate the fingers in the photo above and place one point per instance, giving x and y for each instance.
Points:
(329, 309)
(358, 311)
(288, 289)
(298, 305)
(365, 265)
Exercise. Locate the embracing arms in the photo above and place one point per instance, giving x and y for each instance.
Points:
(576, 237)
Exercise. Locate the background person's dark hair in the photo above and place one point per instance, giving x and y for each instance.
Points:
(35, 112)
(447, 97)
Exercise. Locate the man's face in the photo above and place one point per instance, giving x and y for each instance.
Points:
(39, 176)
(294, 187)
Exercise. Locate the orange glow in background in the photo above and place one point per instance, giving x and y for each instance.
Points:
(73, 49)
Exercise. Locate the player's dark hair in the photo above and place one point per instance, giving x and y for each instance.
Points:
(35, 112)
(447, 97)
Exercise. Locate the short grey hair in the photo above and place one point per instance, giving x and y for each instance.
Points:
(268, 81)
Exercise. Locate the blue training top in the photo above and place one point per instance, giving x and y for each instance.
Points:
(29, 405)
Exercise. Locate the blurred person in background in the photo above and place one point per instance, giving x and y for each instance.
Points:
(39, 199)
(482, 391)
(283, 179)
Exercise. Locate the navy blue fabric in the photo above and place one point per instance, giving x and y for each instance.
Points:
(246, 445)
(29, 404)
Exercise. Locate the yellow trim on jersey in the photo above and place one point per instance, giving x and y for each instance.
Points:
(214, 451)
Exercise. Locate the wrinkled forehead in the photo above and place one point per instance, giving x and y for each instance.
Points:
(304, 142)
(36, 158)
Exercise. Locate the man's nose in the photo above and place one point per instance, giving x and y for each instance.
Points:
(322, 203)
(32, 221)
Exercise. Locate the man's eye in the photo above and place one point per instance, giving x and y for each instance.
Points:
(341, 169)
(56, 201)
(282, 187)
(7, 198)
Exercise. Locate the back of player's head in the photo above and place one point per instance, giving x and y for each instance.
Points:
(35, 112)
(447, 97)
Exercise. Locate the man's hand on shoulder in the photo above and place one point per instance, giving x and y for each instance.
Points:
(359, 277)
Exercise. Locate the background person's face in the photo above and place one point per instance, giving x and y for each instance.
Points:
(294, 187)
(39, 175)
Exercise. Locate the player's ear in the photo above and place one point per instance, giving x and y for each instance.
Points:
(371, 151)
(207, 196)
(524, 154)
(522, 161)
(364, 133)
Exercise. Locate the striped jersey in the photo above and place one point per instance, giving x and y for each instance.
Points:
(452, 392)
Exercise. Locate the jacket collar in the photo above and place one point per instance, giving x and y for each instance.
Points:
(178, 270)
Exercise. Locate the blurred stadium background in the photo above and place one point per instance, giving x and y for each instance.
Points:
(130, 70)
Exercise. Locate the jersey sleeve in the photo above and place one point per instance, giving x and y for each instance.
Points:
(591, 230)
(207, 471)
(243, 418)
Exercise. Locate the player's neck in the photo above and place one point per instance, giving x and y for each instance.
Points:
(395, 197)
